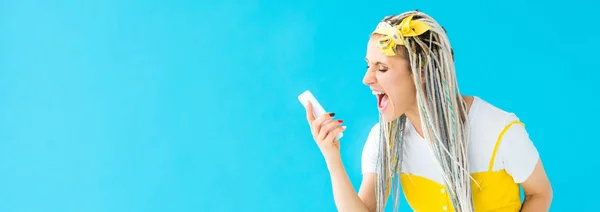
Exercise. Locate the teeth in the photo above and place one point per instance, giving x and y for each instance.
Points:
(377, 93)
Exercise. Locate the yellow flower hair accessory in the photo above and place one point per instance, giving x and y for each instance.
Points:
(395, 35)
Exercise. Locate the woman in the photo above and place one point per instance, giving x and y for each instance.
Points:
(446, 151)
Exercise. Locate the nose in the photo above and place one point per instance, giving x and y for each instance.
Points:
(369, 78)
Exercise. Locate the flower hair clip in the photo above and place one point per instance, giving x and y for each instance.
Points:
(394, 36)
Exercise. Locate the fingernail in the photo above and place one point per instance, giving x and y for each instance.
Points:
(331, 114)
(344, 127)
(340, 121)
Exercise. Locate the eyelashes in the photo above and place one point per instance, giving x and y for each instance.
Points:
(383, 70)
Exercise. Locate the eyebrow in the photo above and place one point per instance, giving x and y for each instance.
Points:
(376, 63)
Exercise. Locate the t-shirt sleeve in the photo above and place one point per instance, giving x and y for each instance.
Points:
(519, 154)
(369, 153)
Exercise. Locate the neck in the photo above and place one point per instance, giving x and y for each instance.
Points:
(415, 119)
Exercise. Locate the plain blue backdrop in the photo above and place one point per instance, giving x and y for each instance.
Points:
(128, 106)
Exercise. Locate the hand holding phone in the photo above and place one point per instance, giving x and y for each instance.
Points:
(322, 126)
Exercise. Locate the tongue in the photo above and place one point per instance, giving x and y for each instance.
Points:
(384, 102)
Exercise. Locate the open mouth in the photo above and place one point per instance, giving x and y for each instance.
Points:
(382, 100)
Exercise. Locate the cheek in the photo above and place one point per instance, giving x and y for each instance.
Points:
(399, 88)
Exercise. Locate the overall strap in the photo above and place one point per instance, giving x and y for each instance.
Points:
(498, 142)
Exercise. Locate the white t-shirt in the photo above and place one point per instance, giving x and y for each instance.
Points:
(516, 153)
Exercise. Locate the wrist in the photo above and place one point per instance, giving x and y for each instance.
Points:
(335, 165)
(332, 157)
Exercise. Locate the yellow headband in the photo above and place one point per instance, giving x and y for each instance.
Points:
(395, 35)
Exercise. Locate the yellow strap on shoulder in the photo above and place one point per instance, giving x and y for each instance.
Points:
(498, 142)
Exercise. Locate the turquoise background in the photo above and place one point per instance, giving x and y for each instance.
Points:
(191, 105)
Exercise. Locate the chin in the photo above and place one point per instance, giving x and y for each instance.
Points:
(387, 119)
(389, 116)
(392, 112)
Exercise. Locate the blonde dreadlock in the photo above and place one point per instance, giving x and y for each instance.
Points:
(442, 113)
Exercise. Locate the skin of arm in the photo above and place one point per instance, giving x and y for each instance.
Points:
(367, 191)
(538, 191)
(345, 197)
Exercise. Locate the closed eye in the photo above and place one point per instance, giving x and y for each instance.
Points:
(381, 69)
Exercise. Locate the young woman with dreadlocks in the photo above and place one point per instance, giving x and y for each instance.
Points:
(444, 150)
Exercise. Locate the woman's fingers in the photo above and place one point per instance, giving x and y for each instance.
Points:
(326, 129)
(317, 124)
(320, 126)
(331, 135)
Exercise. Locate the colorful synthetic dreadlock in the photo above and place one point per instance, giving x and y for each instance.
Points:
(441, 108)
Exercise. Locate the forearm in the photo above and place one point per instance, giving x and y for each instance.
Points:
(536, 203)
(345, 197)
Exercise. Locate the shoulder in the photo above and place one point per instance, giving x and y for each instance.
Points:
(374, 130)
(485, 112)
(497, 130)
(370, 150)
(486, 123)
(372, 141)
(486, 119)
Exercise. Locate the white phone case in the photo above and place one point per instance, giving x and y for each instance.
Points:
(317, 108)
